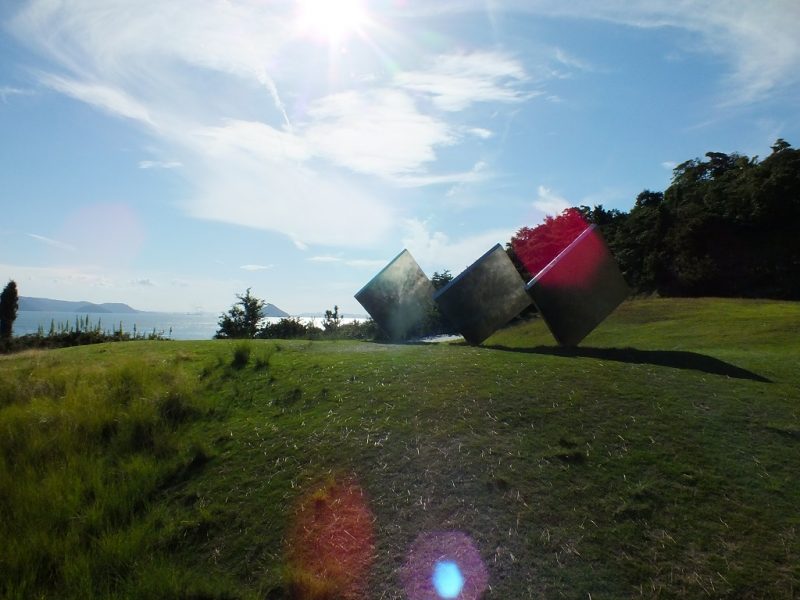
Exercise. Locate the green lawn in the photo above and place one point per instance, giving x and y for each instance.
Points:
(659, 459)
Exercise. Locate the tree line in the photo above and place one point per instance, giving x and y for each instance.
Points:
(726, 226)
(245, 320)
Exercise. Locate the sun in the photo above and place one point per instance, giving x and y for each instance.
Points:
(331, 20)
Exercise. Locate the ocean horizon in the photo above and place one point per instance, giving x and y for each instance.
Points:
(176, 326)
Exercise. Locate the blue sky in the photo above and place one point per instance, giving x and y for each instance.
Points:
(172, 154)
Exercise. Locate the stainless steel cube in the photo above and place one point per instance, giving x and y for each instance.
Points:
(484, 297)
(579, 288)
(399, 298)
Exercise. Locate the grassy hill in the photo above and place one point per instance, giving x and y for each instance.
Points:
(659, 459)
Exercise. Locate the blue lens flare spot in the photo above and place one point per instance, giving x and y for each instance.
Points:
(447, 579)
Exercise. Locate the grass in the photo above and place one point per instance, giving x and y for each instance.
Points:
(659, 459)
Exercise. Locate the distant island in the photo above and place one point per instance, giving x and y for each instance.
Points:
(27, 303)
(270, 310)
(82, 306)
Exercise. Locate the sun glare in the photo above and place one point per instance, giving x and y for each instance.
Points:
(330, 20)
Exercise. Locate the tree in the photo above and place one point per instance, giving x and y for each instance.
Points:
(243, 318)
(780, 145)
(9, 303)
(332, 320)
(439, 280)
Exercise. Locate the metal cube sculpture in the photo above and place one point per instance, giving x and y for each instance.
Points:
(579, 288)
(484, 297)
(399, 298)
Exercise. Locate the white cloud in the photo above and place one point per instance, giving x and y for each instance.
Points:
(379, 132)
(455, 81)
(253, 138)
(669, 164)
(549, 202)
(480, 132)
(131, 60)
(256, 267)
(146, 282)
(306, 206)
(324, 259)
(246, 160)
(52, 242)
(436, 251)
(160, 164)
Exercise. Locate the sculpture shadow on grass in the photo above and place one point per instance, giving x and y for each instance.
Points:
(676, 359)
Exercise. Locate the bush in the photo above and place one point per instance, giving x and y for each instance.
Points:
(287, 328)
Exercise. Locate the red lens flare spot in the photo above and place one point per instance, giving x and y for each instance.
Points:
(577, 268)
(536, 247)
(331, 543)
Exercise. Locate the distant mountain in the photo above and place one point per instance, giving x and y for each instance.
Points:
(270, 310)
(49, 305)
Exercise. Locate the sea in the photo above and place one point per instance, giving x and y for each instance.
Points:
(176, 326)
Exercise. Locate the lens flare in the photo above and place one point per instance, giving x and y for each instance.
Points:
(579, 288)
(330, 544)
(444, 564)
(447, 579)
(536, 247)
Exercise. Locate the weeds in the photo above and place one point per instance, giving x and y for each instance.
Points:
(81, 455)
(241, 355)
(80, 333)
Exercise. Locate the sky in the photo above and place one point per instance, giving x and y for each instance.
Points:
(172, 154)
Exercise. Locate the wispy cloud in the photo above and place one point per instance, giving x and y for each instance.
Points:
(110, 99)
(145, 282)
(478, 172)
(758, 40)
(324, 259)
(52, 242)
(302, 169)
(549, 202)
(256, 267)
(455, 81)
(571, 61)
(352, 262)
(379, 132)
(8, 91)
(160, 164)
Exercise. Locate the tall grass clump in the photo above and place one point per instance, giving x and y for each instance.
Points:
(82, 453)
(241, 355)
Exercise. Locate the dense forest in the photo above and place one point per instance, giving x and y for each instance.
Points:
(726, 226)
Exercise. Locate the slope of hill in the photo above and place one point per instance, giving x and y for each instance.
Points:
(658, 459)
